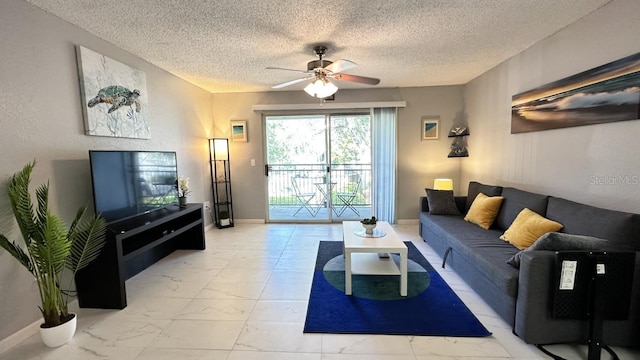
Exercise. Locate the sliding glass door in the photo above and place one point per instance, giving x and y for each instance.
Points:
(318, 167)
(296, 151)
(350, 166)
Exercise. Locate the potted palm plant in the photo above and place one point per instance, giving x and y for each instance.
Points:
(48, 248)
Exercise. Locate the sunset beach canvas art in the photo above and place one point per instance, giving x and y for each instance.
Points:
(607, 93)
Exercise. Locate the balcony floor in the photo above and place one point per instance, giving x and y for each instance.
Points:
(284, 213)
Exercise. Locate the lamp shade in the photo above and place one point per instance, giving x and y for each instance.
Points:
(321, 88)
(219, 148)
(443, 184)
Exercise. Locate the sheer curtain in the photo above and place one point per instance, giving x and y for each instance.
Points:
(384, 163)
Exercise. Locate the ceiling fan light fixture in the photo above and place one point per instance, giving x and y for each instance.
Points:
(321, 88)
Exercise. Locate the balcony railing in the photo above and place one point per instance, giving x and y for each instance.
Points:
(287, 182)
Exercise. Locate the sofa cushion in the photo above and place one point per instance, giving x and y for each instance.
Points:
(476, 188)
(514, 201)
(442, 202)
(559, 241)
(483, 210)
(527, 228)
(480, 249)
(620, 228)
(487, 255)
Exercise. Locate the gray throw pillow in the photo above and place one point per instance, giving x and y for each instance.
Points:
(556, 241)
(442, 202)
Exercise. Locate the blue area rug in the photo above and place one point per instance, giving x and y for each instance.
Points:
(376, 307)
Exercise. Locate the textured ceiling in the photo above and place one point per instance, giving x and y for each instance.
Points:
(225, 45)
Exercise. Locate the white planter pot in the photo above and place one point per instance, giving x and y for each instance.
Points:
(61, 334)
(225, 222)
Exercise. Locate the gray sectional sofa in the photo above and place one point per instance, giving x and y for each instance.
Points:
(522, 297)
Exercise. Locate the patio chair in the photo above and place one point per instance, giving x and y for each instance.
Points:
(304, 197)
(346, 199)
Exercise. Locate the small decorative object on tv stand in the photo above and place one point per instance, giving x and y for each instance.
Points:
(221, 182)
(183, 190)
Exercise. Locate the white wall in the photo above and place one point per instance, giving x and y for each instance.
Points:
(419, 162)
(41, 118)
(558, 162)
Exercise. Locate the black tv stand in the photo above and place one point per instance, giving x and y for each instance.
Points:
(133, 245)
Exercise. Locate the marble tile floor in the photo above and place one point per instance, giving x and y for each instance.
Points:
(245, 298)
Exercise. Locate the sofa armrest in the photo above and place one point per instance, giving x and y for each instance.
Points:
(424, 204)
(534, 322)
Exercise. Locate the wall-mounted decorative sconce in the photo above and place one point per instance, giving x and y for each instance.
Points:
(459, 144)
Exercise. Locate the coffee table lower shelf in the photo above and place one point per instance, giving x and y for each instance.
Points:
(372, 264)
(369, 256)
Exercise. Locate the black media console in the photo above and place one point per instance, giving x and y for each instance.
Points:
(131, 246)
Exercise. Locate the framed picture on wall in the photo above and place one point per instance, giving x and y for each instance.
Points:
(239, 131)
(430, 128)
(604, 94)
(114, 97)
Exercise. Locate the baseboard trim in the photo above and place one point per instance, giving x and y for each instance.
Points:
(408, 222)
(20, 336)
(29, 330)
(250, 221)
(212, 226)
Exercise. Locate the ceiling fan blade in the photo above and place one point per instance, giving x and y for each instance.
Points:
(279, 68)
(357, 78)
(340, 66)
(292, 82)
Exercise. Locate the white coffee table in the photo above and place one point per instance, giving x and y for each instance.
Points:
(361, 254)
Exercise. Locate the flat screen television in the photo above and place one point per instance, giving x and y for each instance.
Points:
(129, 183)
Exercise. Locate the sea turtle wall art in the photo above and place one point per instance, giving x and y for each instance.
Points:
(114, 97)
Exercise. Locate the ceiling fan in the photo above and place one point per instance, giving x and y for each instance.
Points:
(321, 71)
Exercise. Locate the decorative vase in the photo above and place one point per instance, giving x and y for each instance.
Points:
(182, 201)
(368, 228)
(61, 334)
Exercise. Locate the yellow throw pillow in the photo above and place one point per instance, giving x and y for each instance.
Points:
(527, 227)
(483, 210)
